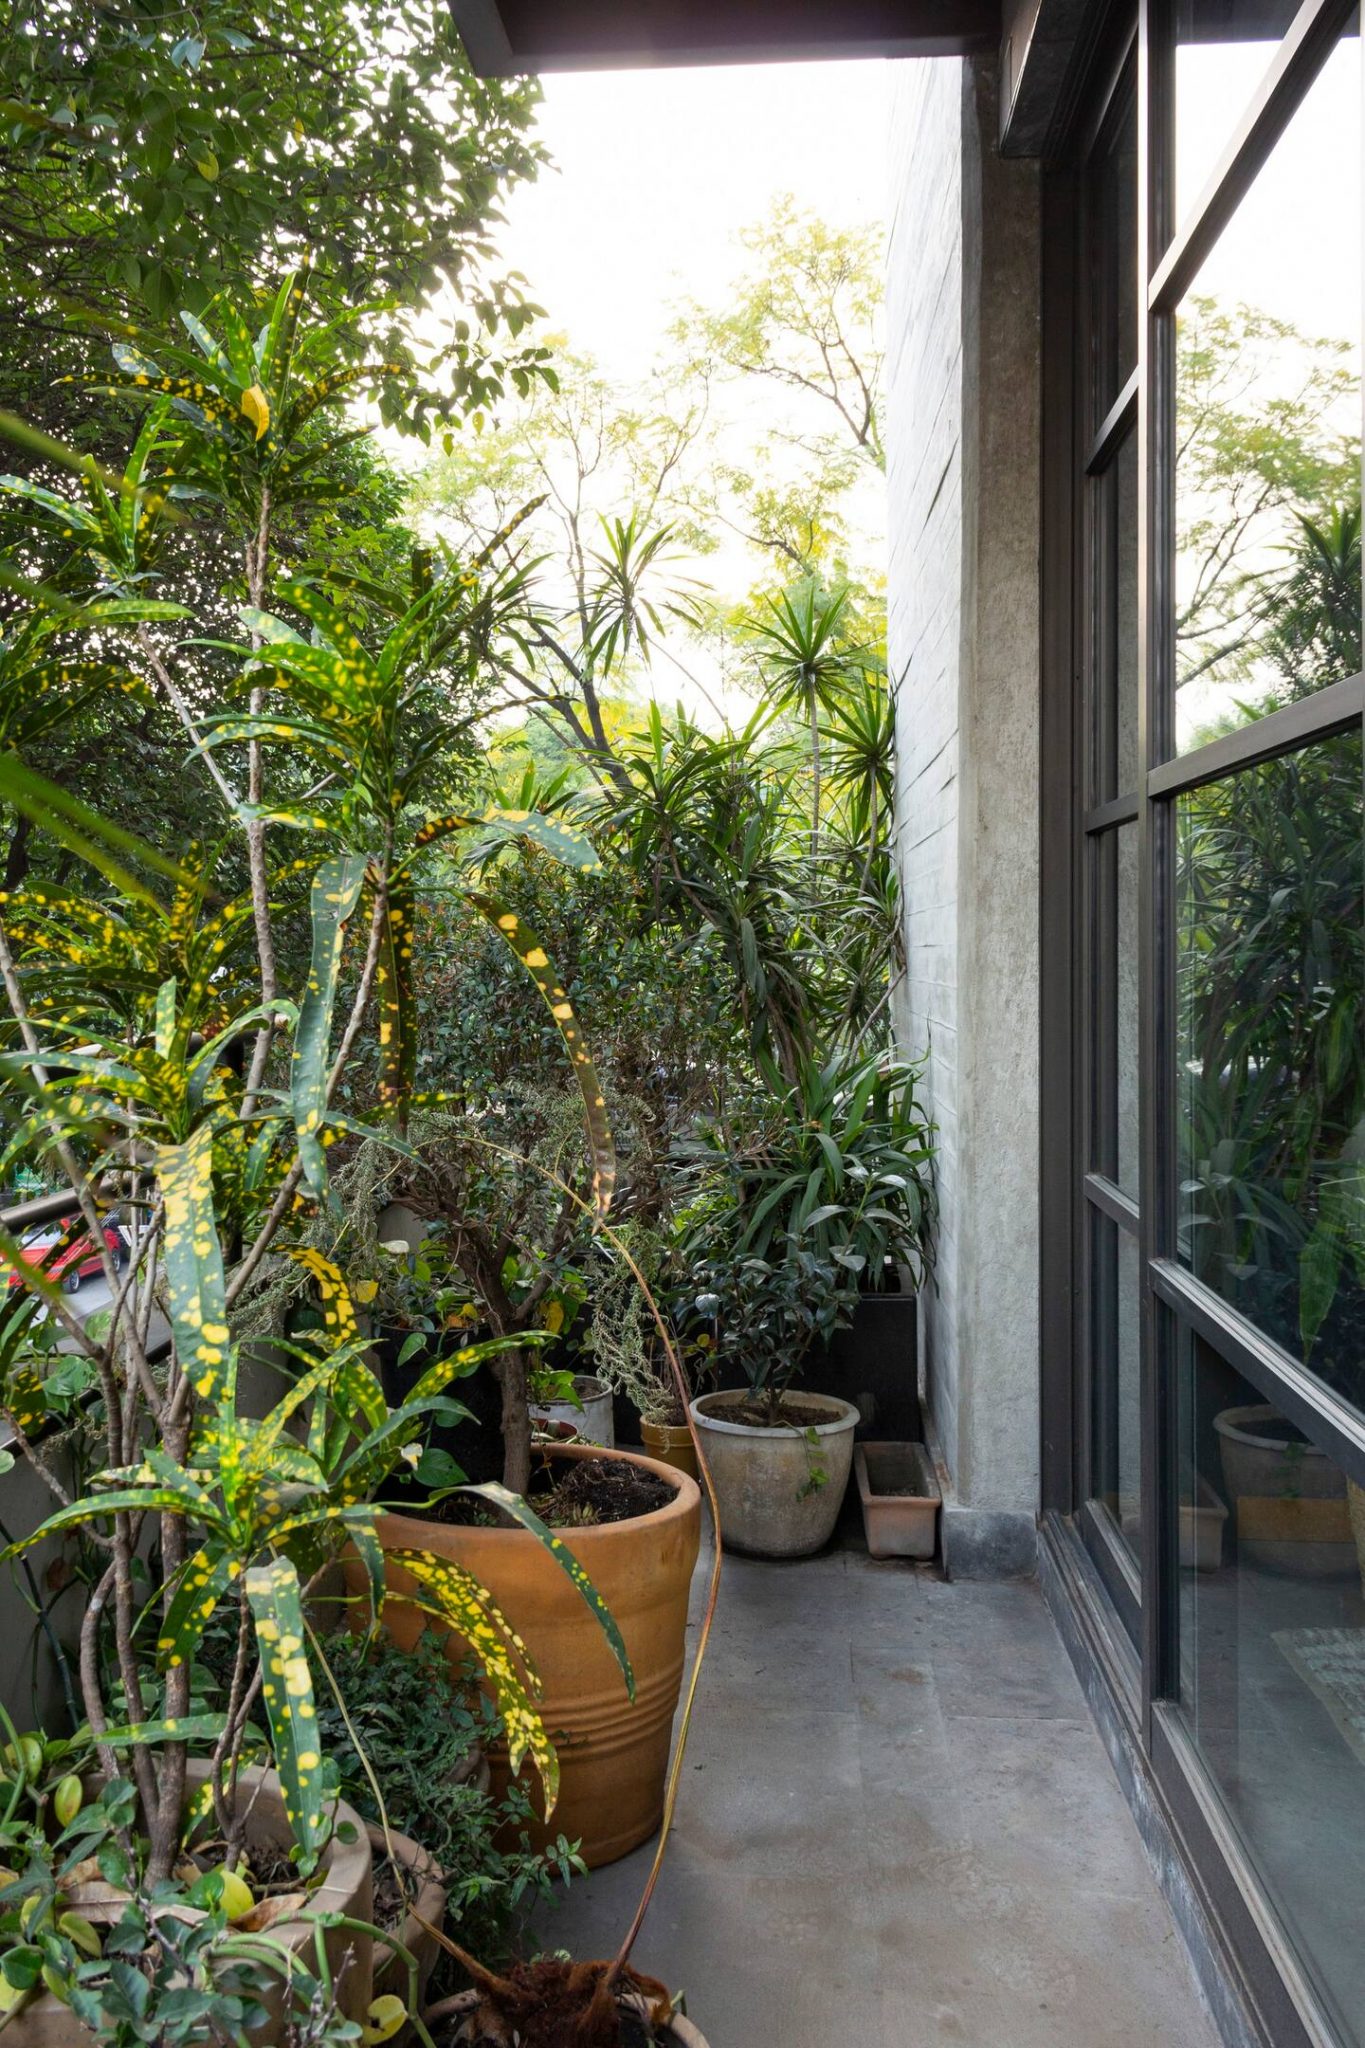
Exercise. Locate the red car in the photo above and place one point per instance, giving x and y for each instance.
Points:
(77, 1259)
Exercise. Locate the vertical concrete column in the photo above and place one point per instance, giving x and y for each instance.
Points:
(963, 453)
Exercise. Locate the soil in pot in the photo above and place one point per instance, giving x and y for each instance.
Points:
(550, 2004)
(592, 1492)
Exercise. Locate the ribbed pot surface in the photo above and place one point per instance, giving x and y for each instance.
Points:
(613, 1754)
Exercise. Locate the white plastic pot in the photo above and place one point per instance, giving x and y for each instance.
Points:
(593, 1421)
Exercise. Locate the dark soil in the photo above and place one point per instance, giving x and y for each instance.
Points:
(553, 2003)
(794, 1413)
(569, 1494)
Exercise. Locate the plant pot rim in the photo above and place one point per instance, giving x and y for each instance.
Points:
(667, 1430)
(685, 2033)
(1239, 1423)
(398, 1531)
(869, 1492)
(430, 1902)
(843, 1416)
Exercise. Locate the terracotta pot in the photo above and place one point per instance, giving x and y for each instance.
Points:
(671, 1443)
(345, 1888)
(779, 1490)
(680, 2031)
(900, 1499)
(390, 1969)
(592, 1421)
(613, 1755)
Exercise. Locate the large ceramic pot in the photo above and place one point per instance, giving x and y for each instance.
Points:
(344, 1887)
(613, 1755)
(681, 2032)
(779, 1490)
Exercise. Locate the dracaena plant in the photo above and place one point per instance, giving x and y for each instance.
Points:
(189, 1031)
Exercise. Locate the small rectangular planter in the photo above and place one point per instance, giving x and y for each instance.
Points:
(900, 1498)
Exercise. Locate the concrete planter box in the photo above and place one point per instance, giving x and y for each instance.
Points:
(593, 1421)
(900, 1498)
(779, 1490)
(1201, 1530)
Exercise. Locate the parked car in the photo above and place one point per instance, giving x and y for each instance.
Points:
(70, 1259)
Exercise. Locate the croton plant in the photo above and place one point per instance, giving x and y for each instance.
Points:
(191, 1028)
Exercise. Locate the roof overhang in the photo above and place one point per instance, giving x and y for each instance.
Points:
(506, 37)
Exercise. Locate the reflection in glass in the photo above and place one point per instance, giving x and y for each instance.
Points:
(1114, 1037)
(1270, 964)
(1272, 1657)
(1268, 443)
(1223, 49)
(1115, 1308)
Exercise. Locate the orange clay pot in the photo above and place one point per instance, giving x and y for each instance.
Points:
(613, 1756)
(671, 1443)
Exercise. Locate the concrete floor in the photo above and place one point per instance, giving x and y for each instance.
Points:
(897, 1826)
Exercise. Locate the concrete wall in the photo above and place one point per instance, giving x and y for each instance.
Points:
(963, 423)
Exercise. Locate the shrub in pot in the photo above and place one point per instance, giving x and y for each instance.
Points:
(155, 1063)
(779, 1459)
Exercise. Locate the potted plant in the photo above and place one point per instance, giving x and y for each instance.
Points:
(779, 1458)
(153, 1059)
(506, 1187)
(625, 1347)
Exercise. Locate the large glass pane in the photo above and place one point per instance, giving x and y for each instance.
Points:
(1116, 679)
(1268, 444)
(1116, 1342)
(1223, 49)
(1272, 1638)
(1271, 1027)
(1114, 259)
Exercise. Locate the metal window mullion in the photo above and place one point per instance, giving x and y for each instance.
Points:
(1315, 30)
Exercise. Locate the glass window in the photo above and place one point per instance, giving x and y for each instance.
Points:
(1272, 1643)
(1114, 1149)
(1268, 443)
(1117, 678)
(1271, 1030)
(1116, 1311)
(1223, 49)
(1114, 255)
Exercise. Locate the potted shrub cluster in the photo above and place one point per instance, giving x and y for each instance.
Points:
(193, 1031)
(797, 1218)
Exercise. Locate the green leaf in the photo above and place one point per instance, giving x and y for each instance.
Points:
(277, 1607)
(193, 1259)
(517, 934)
(513, 1504)
(179, 1728)
(203, 1583)
(396, 998)
(464, 1605)
(335, 892)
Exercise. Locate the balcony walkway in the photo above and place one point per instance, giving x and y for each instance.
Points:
(897, 1826)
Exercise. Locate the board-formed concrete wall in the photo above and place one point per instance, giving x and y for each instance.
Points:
(962, 468)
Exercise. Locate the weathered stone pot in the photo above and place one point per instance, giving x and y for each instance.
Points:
(681, 2032)
(429, 1906)
(613, 1754)
(592, 1421)
(779, 1490)
(1288, 1498)
(45, 2022)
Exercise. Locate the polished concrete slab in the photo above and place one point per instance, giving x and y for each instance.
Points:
(897, 1826)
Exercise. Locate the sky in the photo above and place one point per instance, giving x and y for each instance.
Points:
(659, 170)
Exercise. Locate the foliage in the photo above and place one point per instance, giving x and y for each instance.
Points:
(154, 159)
(411, 1727)
(762, 1316)
(1270, 976)
(154, 1058)
(170, 1969)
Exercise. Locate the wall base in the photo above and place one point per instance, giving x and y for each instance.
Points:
(988, 1543)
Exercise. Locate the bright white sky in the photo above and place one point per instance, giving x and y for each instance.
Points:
(659, 170)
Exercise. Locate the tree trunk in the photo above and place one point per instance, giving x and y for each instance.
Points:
(516, 1421)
